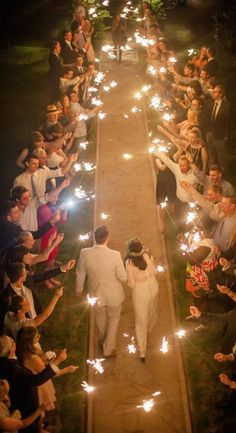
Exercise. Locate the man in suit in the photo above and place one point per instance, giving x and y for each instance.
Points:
(218, 125)
(212, 65)
(56, 70)
(106, 273)
(23, 383)
(67, 52)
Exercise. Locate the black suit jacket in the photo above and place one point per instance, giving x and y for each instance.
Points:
(56, 67)
(219, 126)
(23, 384)
(67, 53)
(211, 67)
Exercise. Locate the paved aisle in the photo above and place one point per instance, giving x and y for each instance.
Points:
(125, 190)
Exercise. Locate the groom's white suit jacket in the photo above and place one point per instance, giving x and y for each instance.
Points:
(105, 271)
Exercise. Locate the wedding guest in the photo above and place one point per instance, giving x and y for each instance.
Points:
(118, 35)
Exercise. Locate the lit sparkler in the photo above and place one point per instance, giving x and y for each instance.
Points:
(83, 116)
(104, 216)
(138, 95)
(160, 268)
(77, 167)
(191, 51)
(127, 156)
(83, 145)
(181, 333)
(92, 89)
(145, 88)
(101, 115)
(96, 364)
(162, 70)
(164, 345)
(167, 117)
(172, 59)
(151, 70)
(126, 116)
(191, 216)
(113, 83)
(85, 237)
(99, 77)
(86, 387)
(92, 300)
(131, 346)
(106, 88)
(155, 102)
(80, 192)
(89, 166)
(147, 405)
(97, 102)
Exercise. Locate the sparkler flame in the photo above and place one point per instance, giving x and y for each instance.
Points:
(181, 333)
(113, 83)
(127, 156)
(147, 405)
(191, 216)
(85, 237)
(164, 346)
(160, 268)
(86, 387)
(96, 364)
(92, 300)
(104, 216)
(101, 115)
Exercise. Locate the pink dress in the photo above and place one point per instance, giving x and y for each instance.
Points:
(44, 214)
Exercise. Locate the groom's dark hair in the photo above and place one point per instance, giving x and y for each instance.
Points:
(101, 234)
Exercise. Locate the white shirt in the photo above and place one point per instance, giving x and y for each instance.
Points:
(40, 178)
(26, 293)
(28, 220)
(76, 109)
(189, 177)
(65, 83)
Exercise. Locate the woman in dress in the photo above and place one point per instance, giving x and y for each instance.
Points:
(12, 422)
(118, 35)
(141, 273)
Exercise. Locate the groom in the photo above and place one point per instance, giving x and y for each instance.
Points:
(106, 273)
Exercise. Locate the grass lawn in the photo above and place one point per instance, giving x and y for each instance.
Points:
(23, 90)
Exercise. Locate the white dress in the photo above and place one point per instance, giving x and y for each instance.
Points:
(145, 293)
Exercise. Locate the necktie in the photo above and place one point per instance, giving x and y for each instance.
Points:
(214, 111)
(33, 186)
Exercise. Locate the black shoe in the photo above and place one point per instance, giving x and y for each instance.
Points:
(143, 359)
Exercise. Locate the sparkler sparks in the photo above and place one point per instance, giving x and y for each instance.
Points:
(151, 70)
(99, 77)
(83, 145)
(167, 117)
(77, 167)
(155, 102)
(191, 51)
(147, 405)
(106, 89)
(164, 346)
(92, 300)
(80, 192)
(131, 346)
(85, 237)
(113, 83)
(164, 204)
(86, 387)
(92, 89)
(96, 364)
(145, 88)
(83, 116)
(138, 95)
(191, 216)
(97, 102)
(104, 216)
(172, 59)
(127, 156)
(162, 70)
(160, 268)
(101, 115)
(181, 333)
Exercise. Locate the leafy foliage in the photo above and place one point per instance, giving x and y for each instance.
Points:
(224, 24)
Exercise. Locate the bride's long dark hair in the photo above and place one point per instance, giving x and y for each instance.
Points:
(135, 253)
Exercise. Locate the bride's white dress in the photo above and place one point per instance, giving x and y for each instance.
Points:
(145, 294)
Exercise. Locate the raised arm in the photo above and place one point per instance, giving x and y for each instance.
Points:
(49, 309)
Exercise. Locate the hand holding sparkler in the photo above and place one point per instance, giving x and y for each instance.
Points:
(221, 357)
(195, 312)
(226, 380)
(187, 186)
(68, 266)
(225, 263)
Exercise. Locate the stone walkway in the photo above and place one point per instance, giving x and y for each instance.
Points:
(125, 189)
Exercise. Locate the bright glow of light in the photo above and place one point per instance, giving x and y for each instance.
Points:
(83, 145)
(97, 365)
(104, 216)
(145, 88)
(80, 193)
(101, 115)
(196, 237)
(167, 117)
(77, 167)
(105, 3)
(111, 55)
(181, 333)
(106, 48)
(191, 51)
(106, 88)
(127, 156)
(99, 77)
(126, 116)
(86, 387)
(162, 149)
(125, 334)
(147, 405)
(92, 300)
(91, 11)
(138, 95)
(162, 70)
(151, 70)
(131, 346)
(190, 217)
(155, 102)
(83, 116)
(172, 59)
(160, 268)
(89, 166)
(113, 83)
(97, 102)
(134, 109)
(164, 345)
(92, 89)
(151, 149)
(164, 203)
(156, 394)
(192, 204)
(85, 237)
(97, 60)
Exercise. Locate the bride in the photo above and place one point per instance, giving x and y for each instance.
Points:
(141, 278)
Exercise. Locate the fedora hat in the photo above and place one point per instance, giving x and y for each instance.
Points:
(51, 108)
